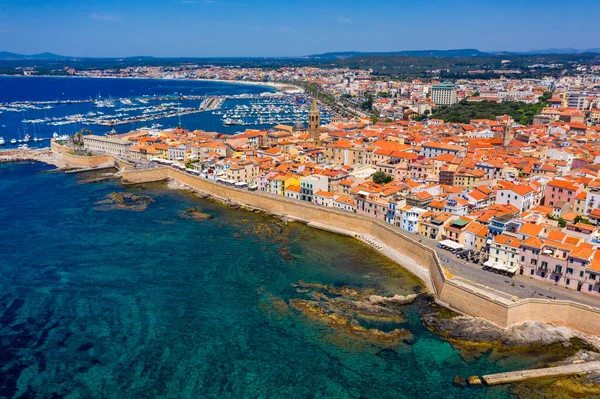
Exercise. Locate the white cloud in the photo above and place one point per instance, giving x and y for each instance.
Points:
(104, 17)
(345, 20)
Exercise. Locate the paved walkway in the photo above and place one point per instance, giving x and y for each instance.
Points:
(523, 375)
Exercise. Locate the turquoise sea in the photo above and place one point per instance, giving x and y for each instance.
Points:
(97, 302)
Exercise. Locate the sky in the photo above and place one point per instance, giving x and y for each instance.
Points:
(283, 28)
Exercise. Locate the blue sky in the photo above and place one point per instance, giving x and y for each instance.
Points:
(209, 28)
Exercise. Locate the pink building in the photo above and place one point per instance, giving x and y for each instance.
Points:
(561, 192)
(567, 265)
(372, 206)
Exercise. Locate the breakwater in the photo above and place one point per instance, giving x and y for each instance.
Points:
(457, 295)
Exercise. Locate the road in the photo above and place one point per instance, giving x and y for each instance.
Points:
(519, 286)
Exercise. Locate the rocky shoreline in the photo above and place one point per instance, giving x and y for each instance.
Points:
(44, 155)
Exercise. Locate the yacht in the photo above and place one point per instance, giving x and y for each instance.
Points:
(2, 142)
(26, 138)
(13, 141)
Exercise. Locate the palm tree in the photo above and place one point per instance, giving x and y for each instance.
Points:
(77, 139)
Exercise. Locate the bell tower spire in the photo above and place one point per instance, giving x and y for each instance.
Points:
(314, 121)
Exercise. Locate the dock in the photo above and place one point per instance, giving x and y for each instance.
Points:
(83, 170)
(524, 375)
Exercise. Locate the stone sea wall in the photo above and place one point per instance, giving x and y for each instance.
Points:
(458, 295)
(78, 160)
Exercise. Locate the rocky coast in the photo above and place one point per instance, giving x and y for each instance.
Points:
(44, 155)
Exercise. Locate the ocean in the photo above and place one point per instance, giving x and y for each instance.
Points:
(102, 302)
(48, 89)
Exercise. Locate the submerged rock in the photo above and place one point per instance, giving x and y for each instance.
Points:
(459, 381)
(351, 312)
(196, 214)
(124, 200)
(284, 252)
(342, 323)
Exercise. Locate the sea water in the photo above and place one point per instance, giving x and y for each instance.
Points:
(101, 302)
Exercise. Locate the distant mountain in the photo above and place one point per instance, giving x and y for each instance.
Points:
(567, 50)
(5, 55)
(462, 53)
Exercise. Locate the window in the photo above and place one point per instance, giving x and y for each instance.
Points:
(569, 270)
(581, 274)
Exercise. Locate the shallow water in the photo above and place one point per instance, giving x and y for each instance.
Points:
(121, 304)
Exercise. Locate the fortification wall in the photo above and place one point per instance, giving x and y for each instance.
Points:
(458, 295)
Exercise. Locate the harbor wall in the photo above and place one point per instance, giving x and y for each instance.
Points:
(85, 161)
(78, 160)
(458, 295)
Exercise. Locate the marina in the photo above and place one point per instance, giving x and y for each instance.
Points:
(30, 123)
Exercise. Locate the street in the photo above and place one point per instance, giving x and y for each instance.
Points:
(519, 286)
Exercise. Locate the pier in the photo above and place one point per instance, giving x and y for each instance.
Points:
(525, 375)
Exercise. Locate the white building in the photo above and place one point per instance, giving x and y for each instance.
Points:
(106, 144)
(517, 195)
(410, 218)
(177, 153)
(311, 184)
(444, 94)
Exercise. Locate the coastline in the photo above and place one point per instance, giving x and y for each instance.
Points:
(457, 294)
(281, 87)
(44, 155)
(526, 333)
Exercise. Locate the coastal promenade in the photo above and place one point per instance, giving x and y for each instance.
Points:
(457, 293)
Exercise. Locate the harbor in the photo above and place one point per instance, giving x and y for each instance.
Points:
(25, 124)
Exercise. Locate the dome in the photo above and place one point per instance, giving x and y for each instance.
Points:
(299, 126)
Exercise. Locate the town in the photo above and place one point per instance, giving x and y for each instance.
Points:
(512, 197)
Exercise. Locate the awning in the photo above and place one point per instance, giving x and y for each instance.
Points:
(501, 267)
(451, 244)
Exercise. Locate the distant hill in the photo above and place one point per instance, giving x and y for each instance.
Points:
(461, 53)
(568, 50)
(5, 55)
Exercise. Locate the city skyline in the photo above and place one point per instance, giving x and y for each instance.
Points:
(218, 28)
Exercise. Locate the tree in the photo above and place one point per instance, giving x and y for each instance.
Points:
(77, 140)
(368, 103)
(581, 219)
(374, 119)
(381, 178)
